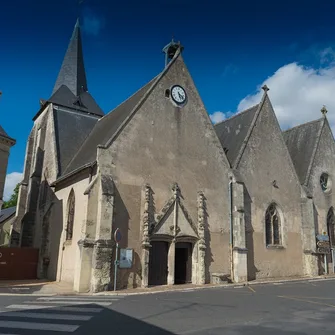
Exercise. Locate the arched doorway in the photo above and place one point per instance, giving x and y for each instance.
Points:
(183, 263)
(158, 263)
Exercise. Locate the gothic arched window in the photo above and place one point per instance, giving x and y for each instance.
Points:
(70, 215)
(272, 225)
(331, 226)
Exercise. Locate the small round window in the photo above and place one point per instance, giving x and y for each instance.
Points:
(325, 182)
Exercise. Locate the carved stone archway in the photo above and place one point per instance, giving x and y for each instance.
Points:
(174, 225)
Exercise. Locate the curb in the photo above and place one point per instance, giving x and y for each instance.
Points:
(237, 285)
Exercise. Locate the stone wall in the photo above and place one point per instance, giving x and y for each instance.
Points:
(269, 176)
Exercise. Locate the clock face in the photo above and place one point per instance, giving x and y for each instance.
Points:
(178, 94)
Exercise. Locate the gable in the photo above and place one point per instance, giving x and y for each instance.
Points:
(301, 142)
(323, 160)
(233, 131)
(265, 161)
(175, 221)
(178, 131)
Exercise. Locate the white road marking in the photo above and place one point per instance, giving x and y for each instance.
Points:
(77, 299)
(57, 308)
(47, 316)
(78, 309)
(101, 303)
(39, 326)
(27, 306)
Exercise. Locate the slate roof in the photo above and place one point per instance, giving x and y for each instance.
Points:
(72, 72)
(71, 129)
(6, 213)
(4, 134)
(105, 129)
(301, 142)
(84, 102)
(233, 131)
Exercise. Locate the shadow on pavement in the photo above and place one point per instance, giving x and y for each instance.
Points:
(88, 318)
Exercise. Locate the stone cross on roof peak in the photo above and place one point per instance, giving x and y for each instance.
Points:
(324, 110)
(265, 88)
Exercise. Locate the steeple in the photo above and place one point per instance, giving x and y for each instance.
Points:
(171, 49)
(72, 73)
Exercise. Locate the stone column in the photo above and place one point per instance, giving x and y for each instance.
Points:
(171, 262)
(103, 245)
(202, 242)
(82, 280)
(240, 254)
(145, 240)
(310, 261)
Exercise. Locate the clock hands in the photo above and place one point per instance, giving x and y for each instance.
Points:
(181, 96)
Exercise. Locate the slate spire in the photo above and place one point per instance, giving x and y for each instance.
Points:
(72, 72)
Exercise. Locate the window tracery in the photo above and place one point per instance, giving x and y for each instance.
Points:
(272, 225)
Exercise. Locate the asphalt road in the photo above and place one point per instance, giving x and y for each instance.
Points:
(290, 309)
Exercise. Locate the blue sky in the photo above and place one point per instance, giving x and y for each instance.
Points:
(231, 49)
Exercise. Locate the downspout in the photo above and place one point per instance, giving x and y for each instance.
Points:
(231, 237)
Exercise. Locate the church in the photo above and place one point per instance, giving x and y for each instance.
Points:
(6, 142)
(189, 201)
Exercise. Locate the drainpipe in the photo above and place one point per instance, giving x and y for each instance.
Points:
(231, 237)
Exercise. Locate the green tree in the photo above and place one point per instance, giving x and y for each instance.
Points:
(13, 199)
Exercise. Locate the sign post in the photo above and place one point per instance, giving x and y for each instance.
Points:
(117, 239)
(323, 248)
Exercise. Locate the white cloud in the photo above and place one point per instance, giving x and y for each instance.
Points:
(298, 93)
(220, 116)
(217, 117)
(12, 179)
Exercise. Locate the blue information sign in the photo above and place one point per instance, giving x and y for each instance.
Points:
(322, 237)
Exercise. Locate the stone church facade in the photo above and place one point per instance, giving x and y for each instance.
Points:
(195, 203)
(6, 142)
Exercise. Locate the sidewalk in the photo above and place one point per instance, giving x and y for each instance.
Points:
(43, 287)
(36, 287)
